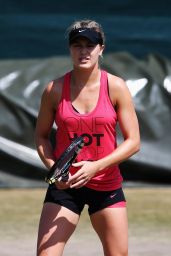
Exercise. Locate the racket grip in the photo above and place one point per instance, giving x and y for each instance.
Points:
(65, 178)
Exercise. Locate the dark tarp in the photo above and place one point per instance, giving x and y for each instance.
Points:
(33, 51)
(21, 86)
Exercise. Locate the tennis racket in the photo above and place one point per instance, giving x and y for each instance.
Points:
(60, 169)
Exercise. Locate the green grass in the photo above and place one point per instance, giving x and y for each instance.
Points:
(20, 211)
(149, 206)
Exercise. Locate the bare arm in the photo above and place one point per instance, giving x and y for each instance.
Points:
(44, 125)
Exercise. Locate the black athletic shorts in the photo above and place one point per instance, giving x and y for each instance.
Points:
(75, 199)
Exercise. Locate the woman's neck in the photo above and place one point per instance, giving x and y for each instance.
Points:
(82, 77)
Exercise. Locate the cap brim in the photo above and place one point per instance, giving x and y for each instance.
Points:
(91, 35)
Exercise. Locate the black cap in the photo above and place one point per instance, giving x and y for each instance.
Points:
(94, 36)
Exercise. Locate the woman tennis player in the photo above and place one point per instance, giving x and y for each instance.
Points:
(86, 101)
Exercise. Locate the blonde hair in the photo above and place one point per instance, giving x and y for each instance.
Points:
(86, 24)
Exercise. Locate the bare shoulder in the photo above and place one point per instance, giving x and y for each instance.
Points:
(53, 91)
(117, 88)
(116, 82)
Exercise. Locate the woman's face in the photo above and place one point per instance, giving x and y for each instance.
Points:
(84, 53)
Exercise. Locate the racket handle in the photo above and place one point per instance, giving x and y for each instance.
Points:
(65, 178)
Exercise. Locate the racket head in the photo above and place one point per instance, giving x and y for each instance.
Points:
(60, 169)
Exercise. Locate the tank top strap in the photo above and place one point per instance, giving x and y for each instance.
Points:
(65, 89)
(104, 84)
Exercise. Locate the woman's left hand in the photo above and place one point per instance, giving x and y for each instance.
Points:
(87, 170)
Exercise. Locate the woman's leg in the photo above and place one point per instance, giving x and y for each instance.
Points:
(112, 228)
(57, 223)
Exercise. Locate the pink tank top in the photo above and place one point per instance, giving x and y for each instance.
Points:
(98, 129)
